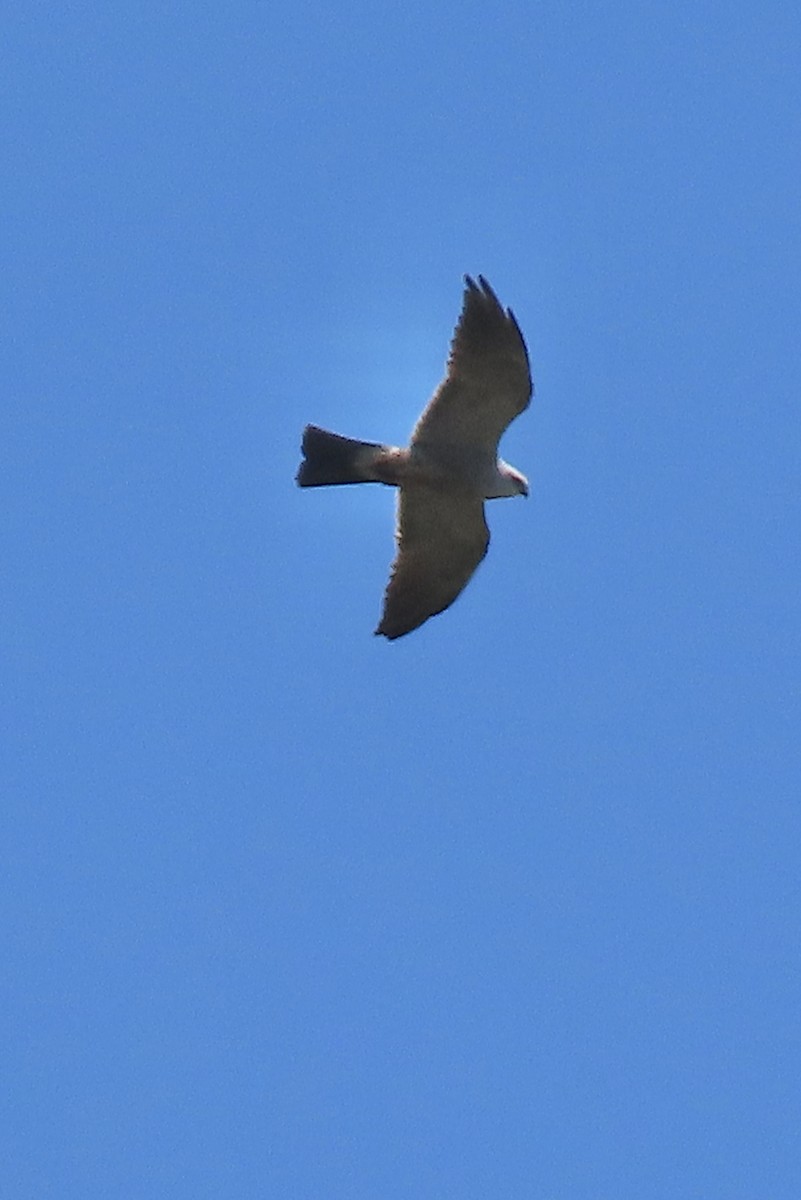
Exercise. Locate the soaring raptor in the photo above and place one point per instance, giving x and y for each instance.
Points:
(450, 467)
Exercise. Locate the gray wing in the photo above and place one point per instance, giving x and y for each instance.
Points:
(442, 537)
(488, 380)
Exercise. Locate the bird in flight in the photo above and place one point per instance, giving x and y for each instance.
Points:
(449, 468)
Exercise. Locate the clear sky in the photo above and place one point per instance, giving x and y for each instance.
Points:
(510, 908)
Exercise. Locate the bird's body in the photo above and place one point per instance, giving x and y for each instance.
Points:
(450, 467)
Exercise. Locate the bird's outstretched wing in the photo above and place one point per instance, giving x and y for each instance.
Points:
(442, 537)
(488, 380)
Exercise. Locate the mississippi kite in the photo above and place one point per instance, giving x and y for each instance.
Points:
(450, 467)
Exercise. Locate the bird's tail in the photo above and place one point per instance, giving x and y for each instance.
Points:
(329, 458)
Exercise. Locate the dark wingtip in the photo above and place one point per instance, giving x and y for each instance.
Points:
(486, 288)
(380, 631)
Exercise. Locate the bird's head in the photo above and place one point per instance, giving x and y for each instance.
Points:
(514, 482)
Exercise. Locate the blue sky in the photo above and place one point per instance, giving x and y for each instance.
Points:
(509, 908)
